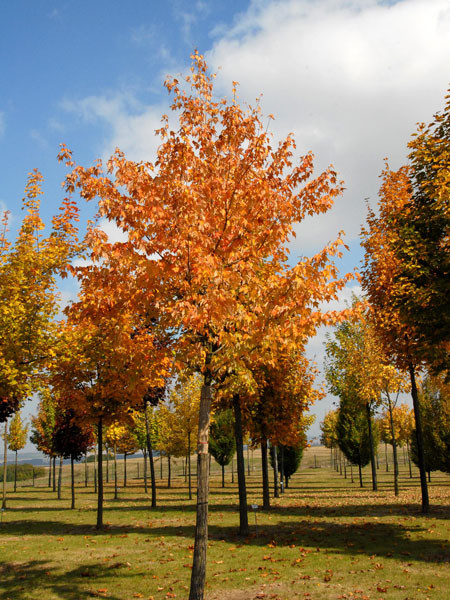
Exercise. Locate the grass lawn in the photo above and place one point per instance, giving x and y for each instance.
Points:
(325, 538)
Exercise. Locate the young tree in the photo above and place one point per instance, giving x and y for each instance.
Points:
(71, 440)
(353, 434)
(329, 434)
(199, 230)
(17, 438)
(222, 443)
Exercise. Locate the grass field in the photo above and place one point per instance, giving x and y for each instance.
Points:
(325, 538)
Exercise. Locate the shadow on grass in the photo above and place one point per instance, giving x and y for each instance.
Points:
(21, 579)
(370, 537)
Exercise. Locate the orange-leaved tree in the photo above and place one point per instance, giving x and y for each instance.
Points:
(215, 210)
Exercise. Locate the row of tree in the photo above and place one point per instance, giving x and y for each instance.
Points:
(202, 284)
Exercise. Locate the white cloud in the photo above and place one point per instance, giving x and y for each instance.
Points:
(349, 78)
(131, 125)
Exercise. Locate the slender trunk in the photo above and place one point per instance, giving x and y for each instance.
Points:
(242, 489)
(5, 463)
(331, 458)
(345, 468)
(248, 460)
(85, 470)
(275, 472)
(372, 449)
(360, 476)
(189, 466)
(351, 471)
(60, 476)
(394, 445)
(232, 469)
(223, 475)
(54, 473)
(107, 464)
(429, 476)
(95, 470)
(116, 491)
(145, 471)
(265, 475)
(340, 462)
(409, 460)
(15, 474)
(198, 574)
(72, 475)
(386, 457)
(100, 475)
(50, 471)
(160, 465)
(282, 468)
(148, 439)
(124, 469)
(169, 472)
(419, 438)
(377, 460)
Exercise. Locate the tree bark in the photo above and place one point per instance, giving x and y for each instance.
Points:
(282, 468)
(100, 475)
(148, 439)
(116, 494)
(386, 457)
(198, 574)
(189, 466)
(49, 471)
(54, 473)
(60, 476)
(169, 472)
(248, 459)
(107, 464)
(372, 449)
(124, 469)
(223, 475)
(145, 471)
(15, 473)
(95, 470)
(419, 438)
(360, 476)
(394, 445)
(72, 475)
(5, 463)
(275, 472)
(265, 475)
(85, 470)
(242, 489)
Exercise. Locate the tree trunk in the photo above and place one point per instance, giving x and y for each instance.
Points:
(372, 449)
(85, 470)
(232, 469)
(265, 475)
(107, 464)
(351, 471)
(345, 468)
(394, 445)
(331, 458)
(189, 466)
(282, 468)
(145, 471)
(49, 471)
(243, 511)
(124, 469)
(223, 475)
(116, 491)
(148, 439)
(198, 574)
(160, 465)
(169, 472)
(54, 473)
(60, 476)
(72, 475)
(386, 457)
(409, 460)
(275, 472)
(5, 463)
(419, 438)
(95, 470)
(100, 475)
(360, 476)
(15, 473)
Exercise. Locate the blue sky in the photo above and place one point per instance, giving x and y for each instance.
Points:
(350, 78)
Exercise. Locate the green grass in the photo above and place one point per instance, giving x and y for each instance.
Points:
(326, 538)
